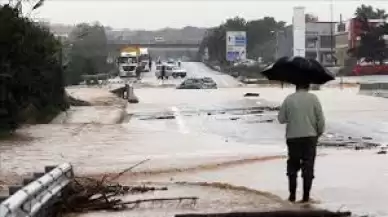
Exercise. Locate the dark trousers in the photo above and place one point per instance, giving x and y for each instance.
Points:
(301, 156)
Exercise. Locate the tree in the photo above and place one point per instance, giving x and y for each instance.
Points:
(372, 46)
(88, 52)
(17, 4)
(259, 33)
(29, 60)
(370, 12)
(261, 36)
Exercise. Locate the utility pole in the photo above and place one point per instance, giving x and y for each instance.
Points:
(332, 30)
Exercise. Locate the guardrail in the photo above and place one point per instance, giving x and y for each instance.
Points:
(36, 198)
(374, 86)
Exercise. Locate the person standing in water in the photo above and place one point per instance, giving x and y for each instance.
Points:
(305, 123)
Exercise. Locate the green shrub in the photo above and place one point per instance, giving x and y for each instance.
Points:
(30, 68)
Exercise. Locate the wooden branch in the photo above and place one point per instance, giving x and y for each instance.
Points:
(158, 199)
(128, 169)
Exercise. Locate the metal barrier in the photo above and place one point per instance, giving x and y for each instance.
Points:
(37, 195)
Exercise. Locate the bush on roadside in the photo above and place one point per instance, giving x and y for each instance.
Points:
(31, 73)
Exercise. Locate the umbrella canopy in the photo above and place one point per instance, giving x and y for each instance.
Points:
(298, 70)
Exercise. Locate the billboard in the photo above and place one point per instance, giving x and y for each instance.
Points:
(299, 29)
(236, 45)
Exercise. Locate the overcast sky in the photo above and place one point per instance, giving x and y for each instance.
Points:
(155, 14)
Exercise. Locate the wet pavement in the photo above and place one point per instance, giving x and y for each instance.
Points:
(195, 131)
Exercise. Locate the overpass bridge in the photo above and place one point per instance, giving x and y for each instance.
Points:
(165, 45)
(165, 49)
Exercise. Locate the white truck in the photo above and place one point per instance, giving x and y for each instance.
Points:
(127, 64)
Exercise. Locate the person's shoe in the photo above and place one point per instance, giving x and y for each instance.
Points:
(292, 198)
(292, 184)
(306, 197)
(307, 182)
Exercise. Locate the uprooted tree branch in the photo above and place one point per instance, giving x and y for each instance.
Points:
(87, 194)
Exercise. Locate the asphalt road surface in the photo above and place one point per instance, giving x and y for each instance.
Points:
(194, 70)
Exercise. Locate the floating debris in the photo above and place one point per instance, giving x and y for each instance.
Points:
(162, 117)
(366, 138)
(87, 194)
(251, 95)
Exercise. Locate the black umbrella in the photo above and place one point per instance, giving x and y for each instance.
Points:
(298, 70)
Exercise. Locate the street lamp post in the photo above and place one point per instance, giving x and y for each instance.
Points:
(277, 48)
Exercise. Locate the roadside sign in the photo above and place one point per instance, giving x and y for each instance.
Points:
(236, 43)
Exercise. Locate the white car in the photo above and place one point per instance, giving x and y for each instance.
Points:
(171, 71)
(247, 62)
(178, 72)
(168, 73)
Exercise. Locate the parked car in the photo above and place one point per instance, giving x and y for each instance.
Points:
(178, 72)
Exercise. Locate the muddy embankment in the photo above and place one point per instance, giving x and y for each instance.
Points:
(92, 105)
(87, 106)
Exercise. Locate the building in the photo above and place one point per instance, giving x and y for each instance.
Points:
(347, 36)
(320, 42)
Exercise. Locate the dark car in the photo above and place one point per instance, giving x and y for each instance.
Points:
(191, 83)
(198, 83)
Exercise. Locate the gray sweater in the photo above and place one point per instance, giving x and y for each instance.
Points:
(302, 112)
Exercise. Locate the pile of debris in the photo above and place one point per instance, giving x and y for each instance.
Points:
(87, 194)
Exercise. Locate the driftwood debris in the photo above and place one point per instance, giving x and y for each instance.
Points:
(251, 94)
(86, 194)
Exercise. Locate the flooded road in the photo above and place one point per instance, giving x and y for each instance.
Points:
(185, 131)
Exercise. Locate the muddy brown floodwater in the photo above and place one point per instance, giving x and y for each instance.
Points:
(212, 198)
(95, 144)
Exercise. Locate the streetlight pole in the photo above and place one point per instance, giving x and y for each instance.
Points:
(277, 42)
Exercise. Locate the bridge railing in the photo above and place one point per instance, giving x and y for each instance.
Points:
(36, 197)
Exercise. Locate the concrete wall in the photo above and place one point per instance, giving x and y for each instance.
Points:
(322, 28)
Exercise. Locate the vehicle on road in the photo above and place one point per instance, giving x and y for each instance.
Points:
(178, 72)
(247, 62)
(172, 62)
(198, 83)
(128, 61)
(171, 71)
(144, 59)
(209, 83)
(168, 72)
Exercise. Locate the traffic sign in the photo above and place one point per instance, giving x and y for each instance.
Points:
(236, 45)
